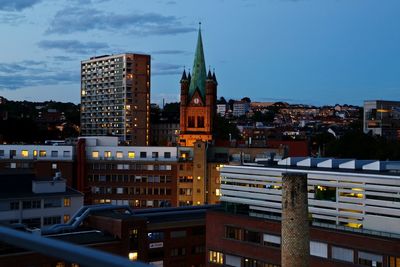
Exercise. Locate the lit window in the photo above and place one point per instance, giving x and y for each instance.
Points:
(60, 264)
(35, 153)
(67, 202)
(42, 153)
(133, 256)
(66, 218)
(95, 154)
(54, 166)
(107, 154)
(218, 192)
(131, 154)
(120, 154)
(216, 257)
(24, 153)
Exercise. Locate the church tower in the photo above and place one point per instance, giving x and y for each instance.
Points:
(198, 101)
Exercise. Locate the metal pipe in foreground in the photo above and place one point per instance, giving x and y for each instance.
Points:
(84, 256)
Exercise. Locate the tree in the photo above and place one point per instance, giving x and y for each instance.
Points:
(172, 107)
(224, 127)
(221, 100)
(246, 99)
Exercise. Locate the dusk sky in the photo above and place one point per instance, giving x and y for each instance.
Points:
(301, 51)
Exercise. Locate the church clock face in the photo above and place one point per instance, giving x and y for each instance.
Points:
(196, 100)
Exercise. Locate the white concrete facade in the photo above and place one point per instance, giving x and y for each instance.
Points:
(43, 207)
(341, 192)
(37, 152)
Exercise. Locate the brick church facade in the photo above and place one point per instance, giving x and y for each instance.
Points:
(198, 101)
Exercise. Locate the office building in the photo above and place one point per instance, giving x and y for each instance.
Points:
(198, 101)
(115, 97)
(144, 177)
(161, 237)
(165, 133)
(222, 109)
(138, 176)
(43, 161)
(240, 108)
(382, 118)
(37, 203)
(353, 208)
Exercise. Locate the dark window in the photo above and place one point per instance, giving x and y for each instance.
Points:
(191, 123)
(325, 193)
(52, 203)
(200, 122)
(35, 204)
(251, 236)
(198, 249)
(14, 205)
(198, 231)
(178, 252)
(154, 155)
(178, 234)
(51, 220)
(167, 155)
(143, 154)
(233, 232)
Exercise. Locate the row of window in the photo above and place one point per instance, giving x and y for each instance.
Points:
(131, 154)
(37, 153)
(160, 191)
(35, 204)
(135, 166)
(192, 123)
(135, 202)
(236, 261)
(318, 249)
(130, 178)
(159, 236)
(251, 236)
(26, 165)
(36, 222)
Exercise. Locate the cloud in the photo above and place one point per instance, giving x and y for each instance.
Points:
(166, 69)
(169, 52)
(73, 46)
(63, 58)
(17, 5)
(11, 18)
(28, 73)
(75, 19)
(25, 66)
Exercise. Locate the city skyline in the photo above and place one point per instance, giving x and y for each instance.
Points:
(279, 50)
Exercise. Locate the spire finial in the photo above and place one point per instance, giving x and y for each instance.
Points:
(199, 25)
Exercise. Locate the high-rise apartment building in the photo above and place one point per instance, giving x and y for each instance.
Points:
(115, 97)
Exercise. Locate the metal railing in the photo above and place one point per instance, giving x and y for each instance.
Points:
(81, 255)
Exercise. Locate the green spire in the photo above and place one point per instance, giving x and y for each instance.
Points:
(199, 69)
